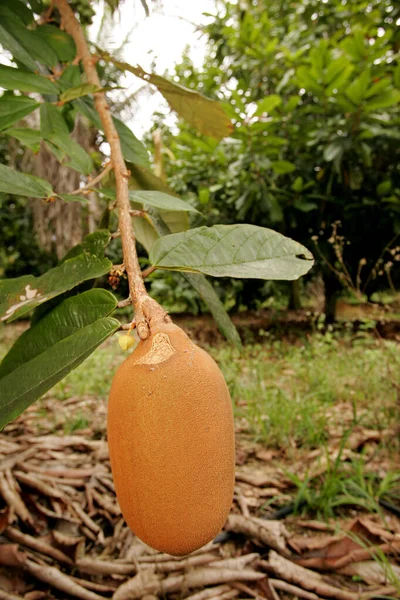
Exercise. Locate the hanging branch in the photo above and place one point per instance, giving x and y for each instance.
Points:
(146, 309)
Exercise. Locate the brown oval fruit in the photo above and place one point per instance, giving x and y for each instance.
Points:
(171, 440)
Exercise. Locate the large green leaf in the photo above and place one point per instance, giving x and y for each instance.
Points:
(62, 43)
(95, 244)
(205, 290)
(73, 198)
(133, 149)
(83, 89)
(19, 296)
(16, 79)
(158, 200)
(51, 120)
(69, 316)
(19, 9)
(206, 115)
(48, 351)
(78, 158)
(15, 108)
(55, 130)
(28, 137)
(10, 43)
(244, 251)
(144, 229)
(357, 89)
(33, 44)
(20, 184)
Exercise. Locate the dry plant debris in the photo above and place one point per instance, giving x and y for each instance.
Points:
(62, 534)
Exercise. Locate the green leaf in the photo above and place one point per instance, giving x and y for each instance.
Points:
(133, 150)
(268, 104)
(48, 351)
(207, 293)
(396, 75)
(78, 158)
(153, 198)
(69, 316)
(15, 108)
(206, 115)
(357, 90)
(37, 6)
(73, 198)
(78, 91)
(304, 206)
(334, 150)
(307, 81)
(385, 100)
(55, 130)
(61, 43)
(145, 231)
(51, 120)
(28, 137)
(244, 251)
(205, 290)
(384, 188)
(94, 243)
(37, 48)
(10, 43)
(338, 82)
(297, 184)
(20, 184)
(19, 296)
(16, 79)
(19, 9)
(281, 167)
(71, 76)
(161, 201)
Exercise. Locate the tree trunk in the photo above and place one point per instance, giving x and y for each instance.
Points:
(59, 225)
(332, 288)
(294, 295)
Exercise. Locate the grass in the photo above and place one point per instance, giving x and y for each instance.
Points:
(293, 397)
(284, 394)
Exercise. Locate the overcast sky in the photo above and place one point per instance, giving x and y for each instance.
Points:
(160, 38)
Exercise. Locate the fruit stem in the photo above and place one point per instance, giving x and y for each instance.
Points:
(146, 309)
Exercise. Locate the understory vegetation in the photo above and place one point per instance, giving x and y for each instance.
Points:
(326, 409)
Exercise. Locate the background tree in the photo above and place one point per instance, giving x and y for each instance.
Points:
(314, 94)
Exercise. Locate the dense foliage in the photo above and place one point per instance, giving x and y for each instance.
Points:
(313, 89)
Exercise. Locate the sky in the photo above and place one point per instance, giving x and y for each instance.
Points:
(160, 39)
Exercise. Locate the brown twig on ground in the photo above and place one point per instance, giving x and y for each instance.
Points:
(30, 542)
(55, 578)
(271, 533)
(305, 578)
(149, 582)
(14, 500)
(104, 567)
(283, 586)
(146, 309)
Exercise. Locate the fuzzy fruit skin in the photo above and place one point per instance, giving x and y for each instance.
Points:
(171, 441)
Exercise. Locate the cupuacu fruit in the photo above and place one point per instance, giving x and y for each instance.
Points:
(171, 441)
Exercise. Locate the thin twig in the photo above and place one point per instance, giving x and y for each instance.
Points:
(90, 184)
(148, 271)
(123, 303)
(146, 309)
(137, 213)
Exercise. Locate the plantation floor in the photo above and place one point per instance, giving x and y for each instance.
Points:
(316, 512)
